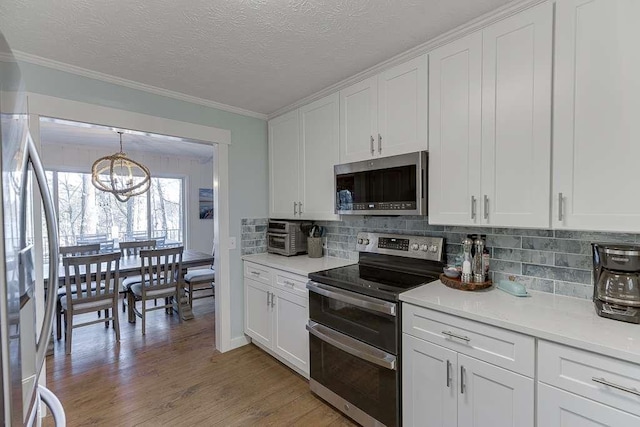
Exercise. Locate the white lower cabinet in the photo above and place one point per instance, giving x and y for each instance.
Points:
(276, 312)
(558, 408)
(445, 387)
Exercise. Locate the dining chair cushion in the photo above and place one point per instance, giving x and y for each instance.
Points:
(130, 280)
(200, 275)
(136, 289)
(85, 305)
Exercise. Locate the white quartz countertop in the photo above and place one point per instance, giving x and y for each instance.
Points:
(301, 264)
(565, 320)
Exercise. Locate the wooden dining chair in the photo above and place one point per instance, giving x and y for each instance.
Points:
(128, 250)
(200, 279)
(161, 279)
(93, 291)
(67, 251)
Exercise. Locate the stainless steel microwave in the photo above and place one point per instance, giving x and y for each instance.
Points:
(395, 185)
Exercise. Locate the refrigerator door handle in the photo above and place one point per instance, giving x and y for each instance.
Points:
(52, 232)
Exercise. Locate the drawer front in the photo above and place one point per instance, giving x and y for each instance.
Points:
(509, 350)
(611, 381)
(558, 408)
(292, 283)
(257, 272)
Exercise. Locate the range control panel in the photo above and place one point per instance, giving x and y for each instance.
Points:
(421, 247)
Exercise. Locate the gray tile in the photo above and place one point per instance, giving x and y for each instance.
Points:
(557, 273)
(595, 236)
(533, 283)
(577, 290)
(453, 238)
(524, 255)
(556, 245)
(416, 225)
(261, 228)
(573, 261)
(248, 228)
(261, 221)
(509, 267)
(499, 241)
(523, 232)
(453, 249)
(248, 243)
(434, 228)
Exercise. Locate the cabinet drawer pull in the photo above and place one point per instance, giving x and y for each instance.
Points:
(462, 372)
(452, 335)
(448, 373)
(286, 282)
(372, 149)
(616, 386)
(255, 273)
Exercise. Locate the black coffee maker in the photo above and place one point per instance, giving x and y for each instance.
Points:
(616, 279)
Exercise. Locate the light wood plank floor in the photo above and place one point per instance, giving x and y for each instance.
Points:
(173, 376)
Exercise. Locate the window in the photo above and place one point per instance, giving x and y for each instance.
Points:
(85, 212)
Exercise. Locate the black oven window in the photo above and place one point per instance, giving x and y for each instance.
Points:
(380, 185)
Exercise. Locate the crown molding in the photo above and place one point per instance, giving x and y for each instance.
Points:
(474, 25)
(96, 75)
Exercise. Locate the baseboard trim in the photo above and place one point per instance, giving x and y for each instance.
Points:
(237, 342)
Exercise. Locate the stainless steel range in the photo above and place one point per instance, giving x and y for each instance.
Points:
(355, 324)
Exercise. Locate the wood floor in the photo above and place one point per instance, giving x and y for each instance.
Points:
(173, 376)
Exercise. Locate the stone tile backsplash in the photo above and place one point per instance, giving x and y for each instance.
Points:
(544, 260)
(254, 236)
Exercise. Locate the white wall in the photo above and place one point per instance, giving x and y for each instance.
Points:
(198, 174)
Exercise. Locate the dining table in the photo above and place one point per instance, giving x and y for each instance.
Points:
(130, 266)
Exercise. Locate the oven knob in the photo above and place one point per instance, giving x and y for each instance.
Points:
(433, 248)
(365, 241)
(424, 248)
(360, 241)
(415, 247)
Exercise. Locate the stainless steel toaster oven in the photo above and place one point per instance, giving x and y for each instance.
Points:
(286, 238)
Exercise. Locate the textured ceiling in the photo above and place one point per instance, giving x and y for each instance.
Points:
(259, 55)
(58, 132)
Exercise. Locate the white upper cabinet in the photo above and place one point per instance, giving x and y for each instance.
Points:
(402, 108)
(386, 114)
(303, 148)
(358, 120)
(490, 124)
(455, 72)
(284, 165)
(319, 137)
(516, 119)
(596, 106)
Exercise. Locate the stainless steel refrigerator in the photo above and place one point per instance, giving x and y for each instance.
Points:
(23, 341)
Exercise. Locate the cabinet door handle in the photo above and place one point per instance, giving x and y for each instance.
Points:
(616, 386)
(372, 149)
(273, 299)
(299, 208)
(255, 273)
(295, 208)
(462, 373)
(268, 297)
(486, 206)
(473, 207)
(560, 202)
(448, 373)
(452, 335)
(379, 143)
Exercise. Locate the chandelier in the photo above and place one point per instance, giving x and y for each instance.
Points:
(119, 175)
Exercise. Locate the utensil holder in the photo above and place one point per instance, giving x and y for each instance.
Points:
(314, 247)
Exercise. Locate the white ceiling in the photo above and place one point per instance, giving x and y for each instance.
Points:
(103, 138)
(260, 55)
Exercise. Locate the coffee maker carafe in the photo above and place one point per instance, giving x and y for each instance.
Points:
(616, 279)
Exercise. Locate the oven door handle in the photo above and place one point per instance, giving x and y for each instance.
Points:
(352, 346)
(353, 298)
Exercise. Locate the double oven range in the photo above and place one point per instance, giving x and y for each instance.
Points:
(355, 324)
